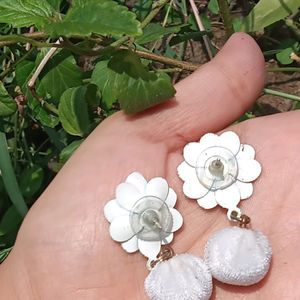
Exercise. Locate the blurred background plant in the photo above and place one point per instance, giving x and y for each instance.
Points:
(67, 65)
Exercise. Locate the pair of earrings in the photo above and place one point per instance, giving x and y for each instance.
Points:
(217, 170)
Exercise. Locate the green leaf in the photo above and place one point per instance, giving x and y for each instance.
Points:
(154, 32)
(236, 23)
(213, 6)
(92, 96)
(100, 78)
(10, 221)
(31, 181)
(289, 47)
(73, 112)
(41, 114)
(24, 13)
(9, 177)
(93, 16)
(185, 36)
(68, 151)
(142, 8)
(60, 73)
(7, 104)
(24, 71)
(284, 56)
(55, 4)
(205, 20)
(135, 87)
(267, 12)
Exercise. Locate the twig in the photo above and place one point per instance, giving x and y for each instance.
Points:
(284, 69)
(281, 94)
(225, 13)
(39, 69)
(169, 70)
(44, 103)
(28, 45)
(168, 61)
(201, 28)
(31, 38)
(41, 66)
(156, 7)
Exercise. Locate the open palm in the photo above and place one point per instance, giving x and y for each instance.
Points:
(64, 251)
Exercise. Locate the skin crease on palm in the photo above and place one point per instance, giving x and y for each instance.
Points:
(64, 251)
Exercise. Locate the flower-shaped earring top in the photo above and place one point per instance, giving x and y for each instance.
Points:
(143, 216)
(218, 170)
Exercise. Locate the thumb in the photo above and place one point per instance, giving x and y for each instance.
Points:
(212, 97)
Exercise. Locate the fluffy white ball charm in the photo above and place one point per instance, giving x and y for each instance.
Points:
(218, 170)
(238, 256)
(182, 277)
(143, 218)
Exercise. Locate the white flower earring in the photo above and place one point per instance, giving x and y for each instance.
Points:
(218, 170)
(143, 218)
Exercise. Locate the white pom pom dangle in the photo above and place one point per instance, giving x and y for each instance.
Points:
(143, 218)
(218, 170)
(238, 255)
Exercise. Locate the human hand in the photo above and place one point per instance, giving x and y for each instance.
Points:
(64, 251)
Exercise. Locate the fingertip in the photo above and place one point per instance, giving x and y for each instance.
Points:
(242, 58)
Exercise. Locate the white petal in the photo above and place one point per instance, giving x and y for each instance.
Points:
(191, 153)
(246, 152)
(171, 198)
(127, 195)
(185, 171)
(230, 140)
(177, 219)
(157, 187)
(112, 209)
(209, 140)
(149, 249)
(120, 229)
(194, 189)
(168, 239)
(229, 197)
(208, 201)
(131, 245)
(246, 189)
(249, 170)
(138, 180)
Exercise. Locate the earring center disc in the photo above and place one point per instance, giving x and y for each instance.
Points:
(151, 219)
(216, 168)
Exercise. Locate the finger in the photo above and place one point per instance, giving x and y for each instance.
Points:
(214, 96)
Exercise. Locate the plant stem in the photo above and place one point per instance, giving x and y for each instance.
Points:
(156, 7)
(41, 66)
(31, 82)
(168, 61)
(283, 69)
(48, 106)
(227, 19)
(169, 70)
(31, 38)
(281, 94)
(201, 27)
